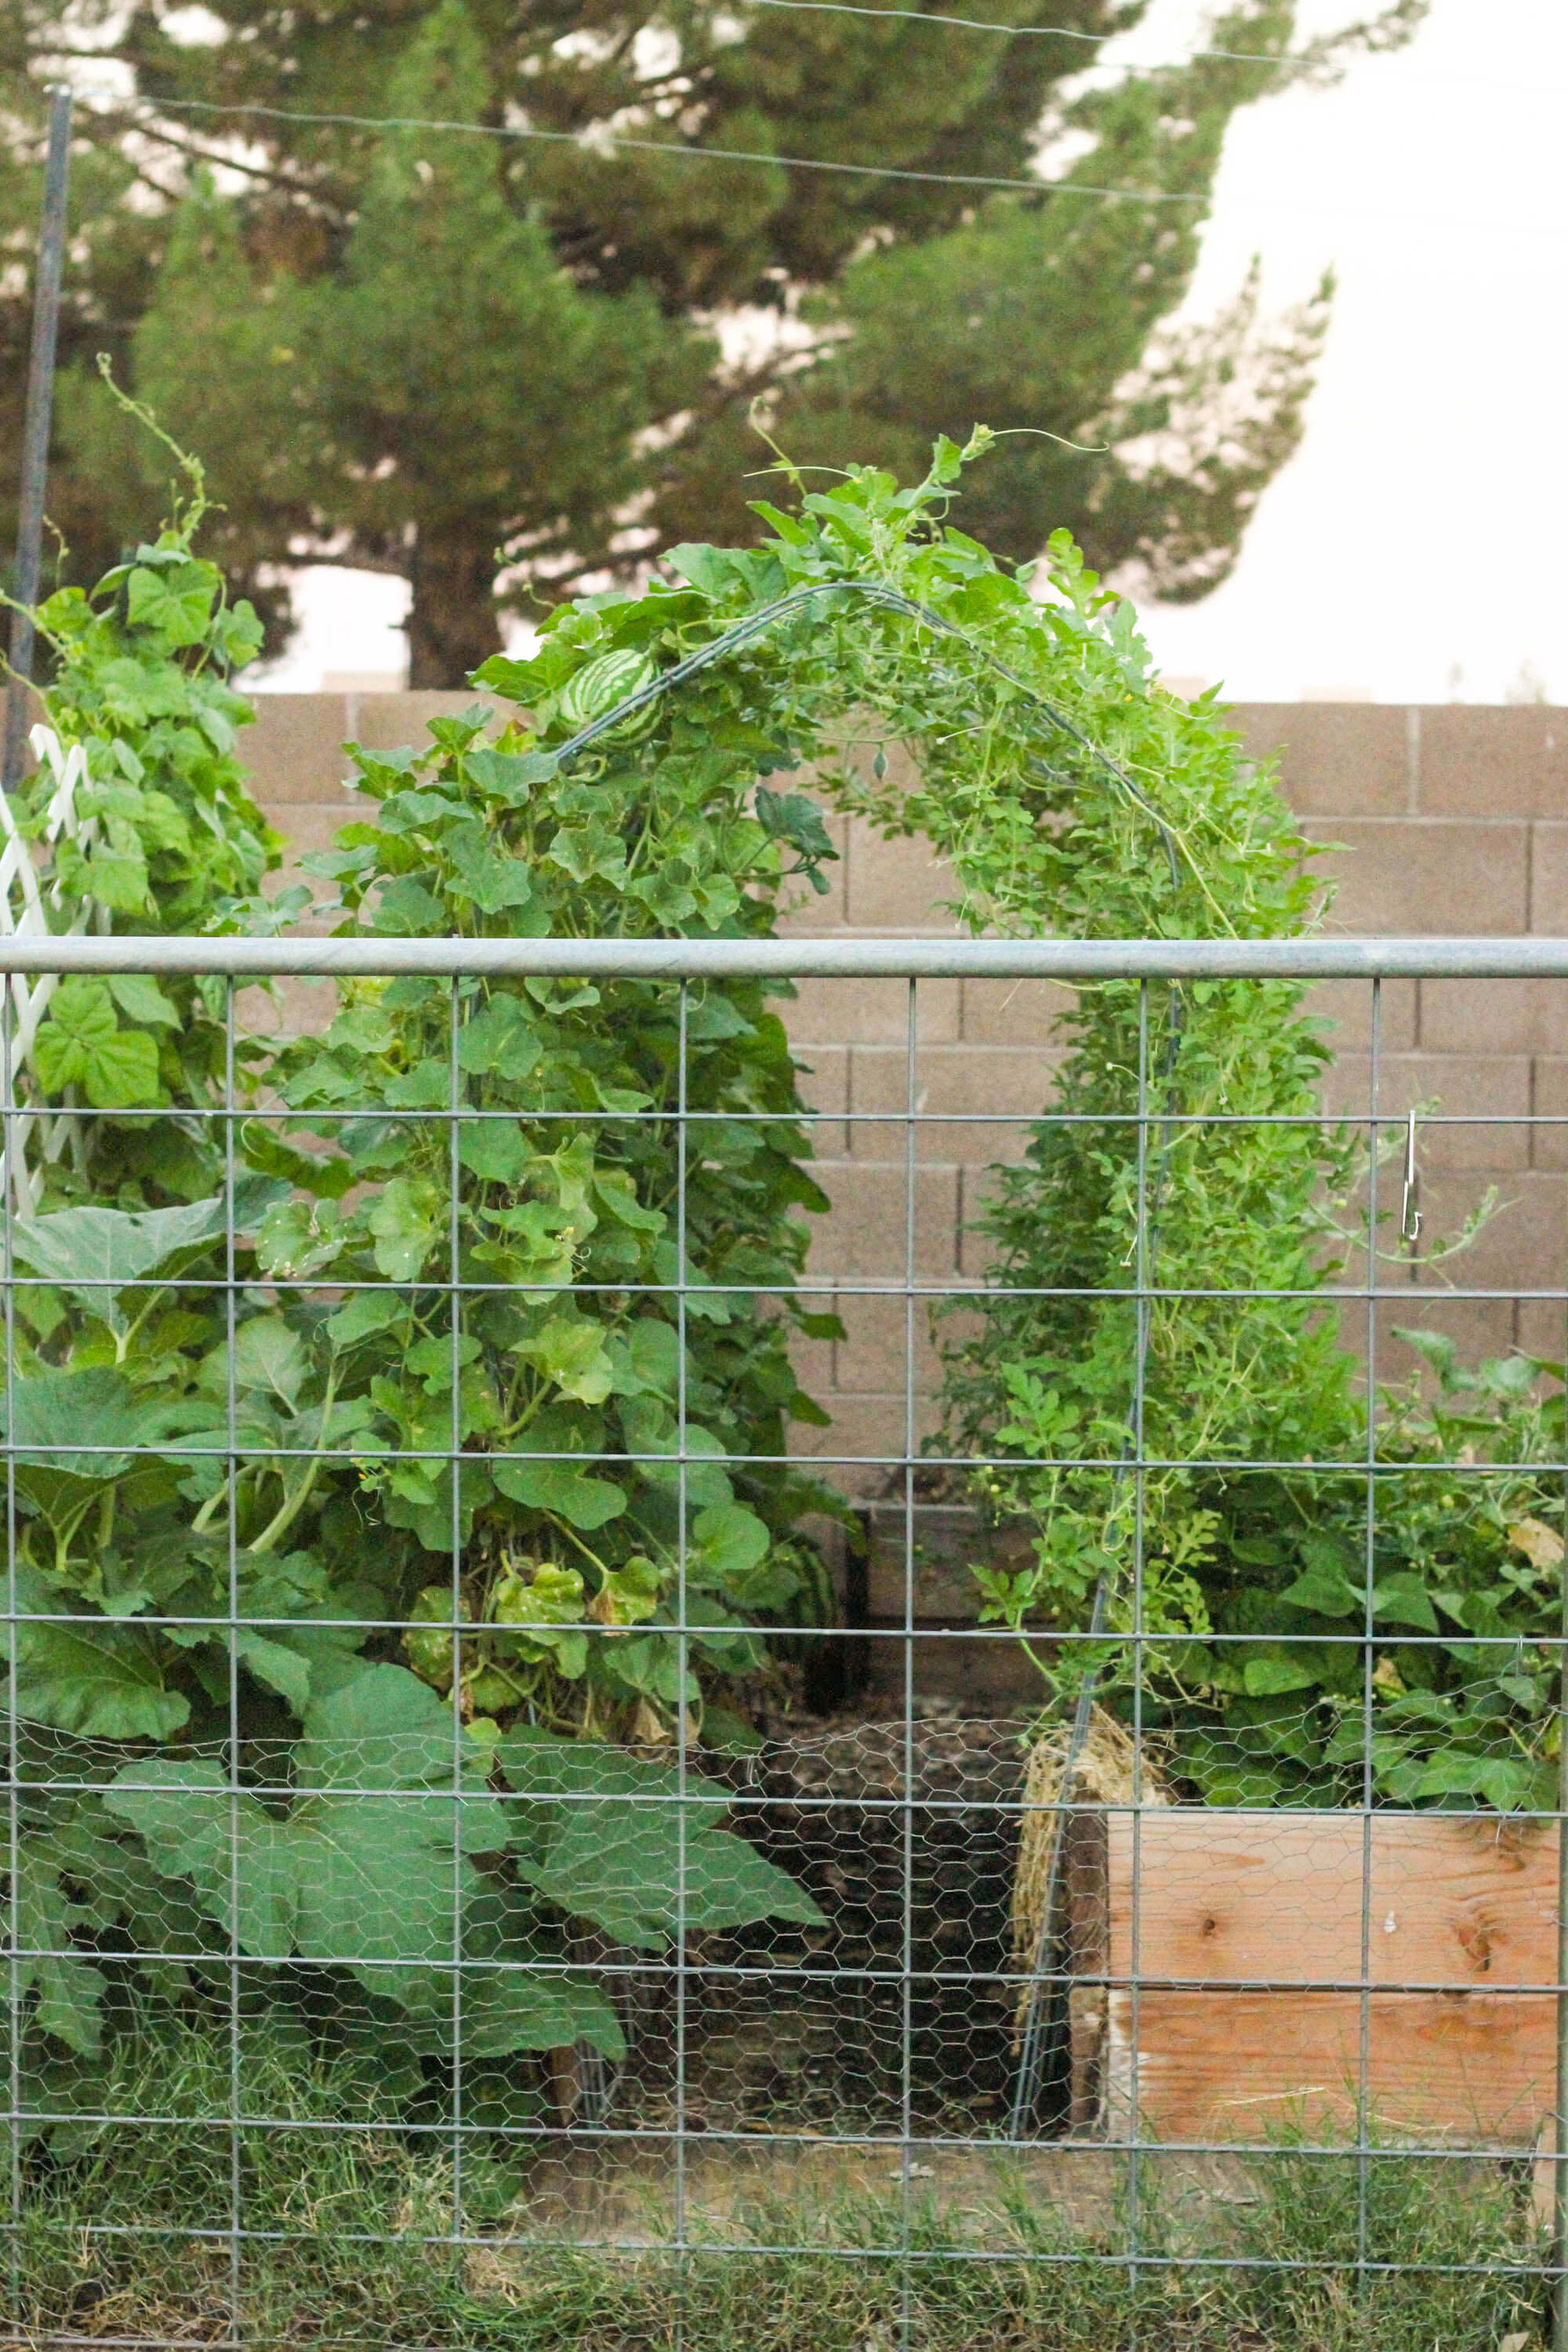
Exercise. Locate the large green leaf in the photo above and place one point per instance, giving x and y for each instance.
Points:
(492, 1149)
(80, 1042)
(624, 1844)
(269, 1357)
(628, 1870)
(183, 1815)
(1324, 1588)
(70, 1988)
(177, 605)
(405, 1222)
(569, 1351)
(555, 1487)
(142, 1000)
(387, 1730)
(92, 1253)
(368, 1866)
(55, 1414)
(112, 1246)
(297, 1238)
(499, 1040)
(731, 1542)
(277, 1665)
(100, 1682)
(1505, 1782)
(1274, 1671)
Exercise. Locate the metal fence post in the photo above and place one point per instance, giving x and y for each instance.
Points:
(36, 430)
(1560, 2121)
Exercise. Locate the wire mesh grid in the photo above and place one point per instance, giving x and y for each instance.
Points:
(428, 1868)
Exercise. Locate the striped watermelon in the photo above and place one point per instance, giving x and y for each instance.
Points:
(603, 682)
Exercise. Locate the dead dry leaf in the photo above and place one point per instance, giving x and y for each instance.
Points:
(1542, 1544)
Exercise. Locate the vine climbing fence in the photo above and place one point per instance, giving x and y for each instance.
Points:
(1181, 1962)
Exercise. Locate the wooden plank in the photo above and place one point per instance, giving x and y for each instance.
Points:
(1278, 1897)
(1246, 1945)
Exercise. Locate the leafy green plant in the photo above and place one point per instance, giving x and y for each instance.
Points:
(243, 1566)
(1162, 1257)
(168, 1476)
(1458, 1702)
(1071, 793)
(469, 1474)
(169, 841)
(599, 1133)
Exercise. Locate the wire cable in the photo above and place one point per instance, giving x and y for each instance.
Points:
(607, 142)
(1301, 63)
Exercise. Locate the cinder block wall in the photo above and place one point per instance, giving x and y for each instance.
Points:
(1451, 818)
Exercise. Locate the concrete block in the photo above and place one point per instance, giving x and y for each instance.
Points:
(1428, 875)
(976, 1104)
(314, 824)
(871, 1012)
(1503, 761)
(289, 1008)
(1540, 1328)
(1524, 1246)
(1493, 1016)
(1347, 1004)
(865, 1446)
(897, 886)
(387, 722)
(1014, 1012)
(824, 1080)
(1549, 877)
(865, 1234)
(1550, 1102)
(1336, 758)
(875, 1354)
(1466, 1086)
(294, 751)
(1478, 1326)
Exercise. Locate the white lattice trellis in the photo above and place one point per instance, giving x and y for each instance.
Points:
(39, 1138)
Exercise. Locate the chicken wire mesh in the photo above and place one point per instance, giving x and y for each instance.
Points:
(884, 1923)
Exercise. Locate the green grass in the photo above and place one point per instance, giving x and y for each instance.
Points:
(103, 2249)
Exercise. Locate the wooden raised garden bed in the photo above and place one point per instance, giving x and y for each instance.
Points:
(1239, 1987)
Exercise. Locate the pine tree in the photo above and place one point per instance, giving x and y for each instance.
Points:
(444, 354)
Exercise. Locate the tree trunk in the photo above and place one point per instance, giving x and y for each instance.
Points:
(452, 620)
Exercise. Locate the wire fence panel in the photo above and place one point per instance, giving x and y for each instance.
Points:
(593, 1759)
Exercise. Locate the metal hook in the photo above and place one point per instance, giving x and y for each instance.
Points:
(1410, 1208)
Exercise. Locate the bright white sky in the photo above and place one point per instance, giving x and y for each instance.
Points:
(1415, 547)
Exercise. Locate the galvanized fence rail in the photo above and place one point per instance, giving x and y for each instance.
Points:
(1199, 2028)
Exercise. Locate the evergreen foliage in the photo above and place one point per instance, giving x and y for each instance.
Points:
(411, 351)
